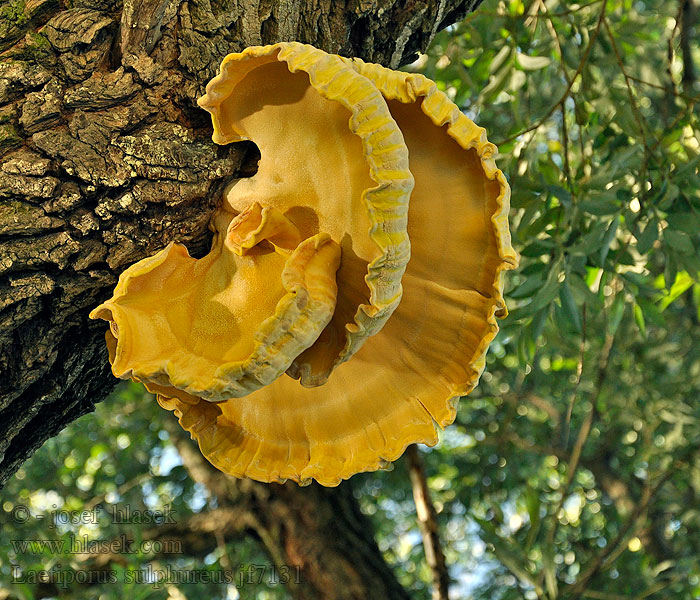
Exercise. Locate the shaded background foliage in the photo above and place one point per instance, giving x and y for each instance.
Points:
(572, 470)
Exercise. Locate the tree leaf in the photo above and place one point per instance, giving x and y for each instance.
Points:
(592, 240)
(506, 552)
(608, 239)
(601, 204)
(532, 503)
(569, 307)
(615, 314)
(500, 58)
(646, 239)
(682, 283)
(639, 319)
(528, 287)
(538, 323)
(688, 222)
(532, 63)
(679, 240)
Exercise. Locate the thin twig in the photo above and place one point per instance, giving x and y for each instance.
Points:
(583, 433)
(604, 595)
(427, 522)
(121, 490)
(570, 11)
(579, 373)
(670, 52)
(567, 163)
(657, 587)
(661, 87)
(688, 17)
(555, 36)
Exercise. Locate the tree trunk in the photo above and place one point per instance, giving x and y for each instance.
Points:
(106, 158)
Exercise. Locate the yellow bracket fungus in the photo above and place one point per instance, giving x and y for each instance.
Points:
(307, 345)
(183, 323)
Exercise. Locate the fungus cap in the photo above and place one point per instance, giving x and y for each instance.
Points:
(227, 324)
(197, 325)
(396, 355)
(407, 377)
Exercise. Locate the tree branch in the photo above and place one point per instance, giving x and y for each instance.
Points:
(612, 550)
(688, 18)
(427, 522)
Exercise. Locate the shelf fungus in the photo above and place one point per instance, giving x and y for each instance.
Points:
(354, 281)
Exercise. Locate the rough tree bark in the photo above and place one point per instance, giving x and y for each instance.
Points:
(106, 158)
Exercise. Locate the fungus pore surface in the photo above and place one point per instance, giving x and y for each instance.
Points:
(307, 345)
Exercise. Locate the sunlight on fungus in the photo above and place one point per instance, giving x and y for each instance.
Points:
(354, 281)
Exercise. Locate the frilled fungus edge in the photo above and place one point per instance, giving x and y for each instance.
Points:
(385, 153)
(409, 88)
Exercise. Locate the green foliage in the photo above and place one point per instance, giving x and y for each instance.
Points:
(75, 492)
